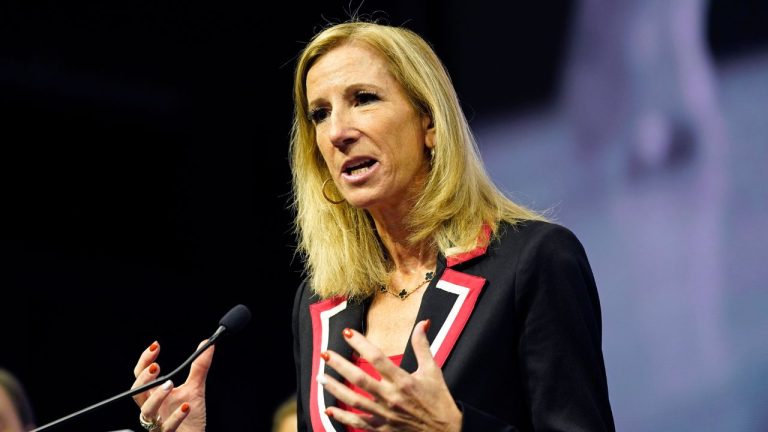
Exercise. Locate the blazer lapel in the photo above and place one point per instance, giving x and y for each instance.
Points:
(329, 318)
(448, 303)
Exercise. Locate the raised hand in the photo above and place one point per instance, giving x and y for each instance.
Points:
(164, 408)
(401, 401)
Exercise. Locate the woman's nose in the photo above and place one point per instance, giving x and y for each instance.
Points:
(342, 131)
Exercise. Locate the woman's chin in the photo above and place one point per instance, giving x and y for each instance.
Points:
(361, 203)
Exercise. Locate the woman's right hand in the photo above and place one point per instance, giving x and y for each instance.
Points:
(169, 406)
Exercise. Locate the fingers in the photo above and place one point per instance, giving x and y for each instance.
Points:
(347, 395)
(357, 421)
(200, 367)
(151, 407)
(176, 418)
(373, 354)
(420, 345)
(401, 401)
(385, 392)
(350, 372)
(156, 403)
(147, 357)
(149, 373)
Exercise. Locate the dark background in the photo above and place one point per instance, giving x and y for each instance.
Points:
(145, 181)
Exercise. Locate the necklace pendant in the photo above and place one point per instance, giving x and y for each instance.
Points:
(429, 276)
(403, 294)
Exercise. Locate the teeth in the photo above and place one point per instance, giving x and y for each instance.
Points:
(361, 170)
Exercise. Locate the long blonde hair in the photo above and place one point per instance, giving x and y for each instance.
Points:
(338, 243)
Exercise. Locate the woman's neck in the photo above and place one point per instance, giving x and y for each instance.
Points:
(406, 257)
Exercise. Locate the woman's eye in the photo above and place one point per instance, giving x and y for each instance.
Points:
(365, 97)
(317, 115)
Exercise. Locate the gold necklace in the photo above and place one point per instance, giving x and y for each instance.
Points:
(403, 294)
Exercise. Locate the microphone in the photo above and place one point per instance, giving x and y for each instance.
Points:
(232, 322)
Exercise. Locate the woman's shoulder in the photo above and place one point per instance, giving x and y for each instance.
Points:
(548, 259)
(535, 233)
(304, 294)
(538, 241)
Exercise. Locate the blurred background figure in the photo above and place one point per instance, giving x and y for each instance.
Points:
(285, 419)
(15, 410)
(653, 153)
(640, 85)
(641, 97)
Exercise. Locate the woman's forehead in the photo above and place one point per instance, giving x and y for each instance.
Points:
(348, 65)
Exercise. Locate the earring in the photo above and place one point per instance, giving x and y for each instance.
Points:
(431, 155)
(328, 198)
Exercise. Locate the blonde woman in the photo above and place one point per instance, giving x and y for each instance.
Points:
(431, 302)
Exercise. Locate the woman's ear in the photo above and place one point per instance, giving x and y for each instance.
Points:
(426, 122)
(429, 131)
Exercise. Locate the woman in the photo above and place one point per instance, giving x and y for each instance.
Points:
(432, 301)
(284, 417)
(15, 409)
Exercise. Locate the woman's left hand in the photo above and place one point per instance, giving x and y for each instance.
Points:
(401, 401)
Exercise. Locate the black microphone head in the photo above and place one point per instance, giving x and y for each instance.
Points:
(236, 319)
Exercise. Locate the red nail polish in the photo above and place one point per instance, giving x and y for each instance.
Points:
(153, 368)
(325, 356)
(427, 325)
(328, 412)
(153, 347)
(347, 333)
(184, 407)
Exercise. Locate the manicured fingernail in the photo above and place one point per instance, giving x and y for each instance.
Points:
(153, 347)
(167, 385)
(328, 412)
(325, 356)
(153, 368)
(347, 333)
(427, 325)
(321, 379)
(184, 407)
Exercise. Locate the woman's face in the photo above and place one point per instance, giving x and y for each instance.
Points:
(372, 139)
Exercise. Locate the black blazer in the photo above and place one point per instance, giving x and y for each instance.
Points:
(516, 328)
